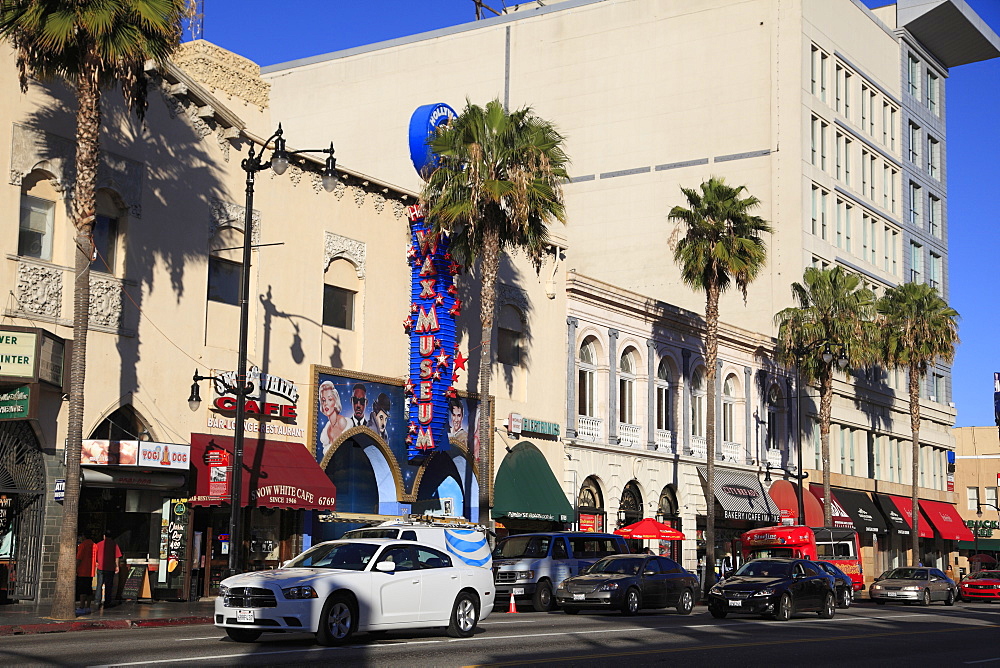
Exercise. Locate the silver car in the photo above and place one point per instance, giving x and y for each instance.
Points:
(913, 585)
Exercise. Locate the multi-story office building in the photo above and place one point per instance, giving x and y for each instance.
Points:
(831, 113)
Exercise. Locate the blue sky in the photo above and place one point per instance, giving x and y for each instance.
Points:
(299, 28)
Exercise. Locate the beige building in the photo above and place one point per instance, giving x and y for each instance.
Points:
(832, 114)
(977, 477)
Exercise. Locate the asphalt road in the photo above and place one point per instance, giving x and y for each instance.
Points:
(965, 635)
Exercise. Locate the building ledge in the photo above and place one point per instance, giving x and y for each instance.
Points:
(949, 29)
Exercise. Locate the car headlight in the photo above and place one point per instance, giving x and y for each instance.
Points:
(526, 575)
(912, 588)
(223, 590)
(876, 587)
(717, 590)
(608, 586)
(299, 592)
(769, 591)
(561, 585)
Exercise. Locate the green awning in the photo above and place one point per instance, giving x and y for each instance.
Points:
(526, 489)
(991, 544)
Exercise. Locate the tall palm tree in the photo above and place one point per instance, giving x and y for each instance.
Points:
(497, 187)
(723, 245)
(918, 328)
(93, 45)
(831, 328)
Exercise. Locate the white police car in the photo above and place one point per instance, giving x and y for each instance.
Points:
(337, 588)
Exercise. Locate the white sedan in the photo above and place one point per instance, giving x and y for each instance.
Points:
(336, 588)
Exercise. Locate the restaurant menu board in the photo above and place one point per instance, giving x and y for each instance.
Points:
(174, 545)
(133, 582)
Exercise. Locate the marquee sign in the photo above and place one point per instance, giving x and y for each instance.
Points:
(269, 395)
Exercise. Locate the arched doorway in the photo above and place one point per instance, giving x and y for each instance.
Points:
(590, 507)
(668, 512)
(22, 500)
(630, 511)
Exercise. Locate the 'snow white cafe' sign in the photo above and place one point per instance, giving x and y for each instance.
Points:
(271, 405)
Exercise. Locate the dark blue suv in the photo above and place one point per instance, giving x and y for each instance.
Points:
(775, 587)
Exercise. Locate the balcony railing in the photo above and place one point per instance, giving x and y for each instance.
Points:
(734, 452)
(698, 448)
(664, 440)
(629, 434)
(589, 428)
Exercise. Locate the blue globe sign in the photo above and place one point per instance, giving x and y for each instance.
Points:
(424, 121)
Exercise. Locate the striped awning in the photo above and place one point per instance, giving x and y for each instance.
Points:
(742, 496)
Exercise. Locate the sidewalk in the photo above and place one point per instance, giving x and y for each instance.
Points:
(29, 618)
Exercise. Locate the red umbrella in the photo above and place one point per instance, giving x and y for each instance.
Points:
(982, 558)
(650, 529)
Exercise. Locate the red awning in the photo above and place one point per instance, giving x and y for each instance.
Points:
(839, 516)
(784, 493)
(905, 508)
(946, 520)
(276, 474)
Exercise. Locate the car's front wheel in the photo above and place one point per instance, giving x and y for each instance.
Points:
(464, 616)
(827, 610)
(783, 609)
(338, 621)
(846, 598)
(950, 599)
(717, 611)
(243, 635)
(631, 603)
(685, 604)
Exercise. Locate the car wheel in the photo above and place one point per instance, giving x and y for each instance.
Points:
(877, 602)
(926, 600)
(717, 612)
(464, 616)
(542, 600)
(571, 611)
(632, 603)
(243, 635)
(846, 599)
(685, 604)
(950, 599)
(829, 608)
(783, 610)
(338, 621)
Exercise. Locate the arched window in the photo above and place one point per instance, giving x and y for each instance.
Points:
(626, 387)
(38, 205)
(630, 506)
(698, 403)
(663, 412)
(586, 390)
(107, 228)
(340, 290)
(729, 409)
(510, 334)
(590, 504)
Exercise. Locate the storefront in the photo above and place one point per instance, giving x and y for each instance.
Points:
(873, 531)
(898, 512)
(527, 495)
(742, 504)
(280, 481)
(590, 507)
(950, 528)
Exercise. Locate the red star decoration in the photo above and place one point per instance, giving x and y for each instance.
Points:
(452, 290)
(413, 428)
(437, 343)
(437, 374)
(408, 388)
(460, 359)
(454, 268)
(414, 307)
(454, 377)
(439, 300)
(442, 359)
(411, 252)
(407, 324)
(451, 393)
(456, 308)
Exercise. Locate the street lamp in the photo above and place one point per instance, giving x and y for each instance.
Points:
(241, 388)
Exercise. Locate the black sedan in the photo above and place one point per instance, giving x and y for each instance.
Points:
(844, 584)
(628, 582)
(774, 587)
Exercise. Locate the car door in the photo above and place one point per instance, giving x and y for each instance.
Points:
(562, 566)
(440, 583)
(939, 585)
(674, 580)
(651, 582)
(803, 588)
(398, 593)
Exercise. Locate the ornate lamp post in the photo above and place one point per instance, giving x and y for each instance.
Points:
(252, 164)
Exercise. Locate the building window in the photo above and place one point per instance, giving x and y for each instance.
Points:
(933, 93)
(991, 496)
(772, 439)
(838, 84)
(847, 160)
(338, 307)
(510, 334)
(626, 387)
(840, 224)
(839, 157)
(864, 107)
(914, 151)
(865, 175)
(698, 403)
(872, 169)
(869, 238)
(886, 241)
(34, 237)
(892, 128)
(972, 498)
(105, 243)
(913, 77)
(886, 123)
(934, 216)
(916, 200)
(934, 158)
(224, 280)
(586, 390)
(916, 262)
(872, 97)
(823, 198)
(729, 409)
(886, 187)
(937, 387)
(895, 257)
(819, 62)
(663, 411)
(934, 272)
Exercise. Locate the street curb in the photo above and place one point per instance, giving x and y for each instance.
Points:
(99, 625)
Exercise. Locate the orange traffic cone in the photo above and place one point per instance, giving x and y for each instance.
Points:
(513, 606)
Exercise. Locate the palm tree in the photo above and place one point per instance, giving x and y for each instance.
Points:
(830, 328)
(918, 328)
(497, 187)
(94, 45)
(723, 244)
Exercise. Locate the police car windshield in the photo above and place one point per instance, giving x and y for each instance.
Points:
(348, 556)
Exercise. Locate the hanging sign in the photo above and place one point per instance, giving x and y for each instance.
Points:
(14, 403)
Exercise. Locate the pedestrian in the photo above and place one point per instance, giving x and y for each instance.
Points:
(84, 574)
(107, 555)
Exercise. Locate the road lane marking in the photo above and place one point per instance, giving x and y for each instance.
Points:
(969, 663)
(218, 637)
(691, 648)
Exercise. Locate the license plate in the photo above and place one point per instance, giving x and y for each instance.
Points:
(244, 616)
(733, 603)
(894, 593)
(579, 597)
(517, 591)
